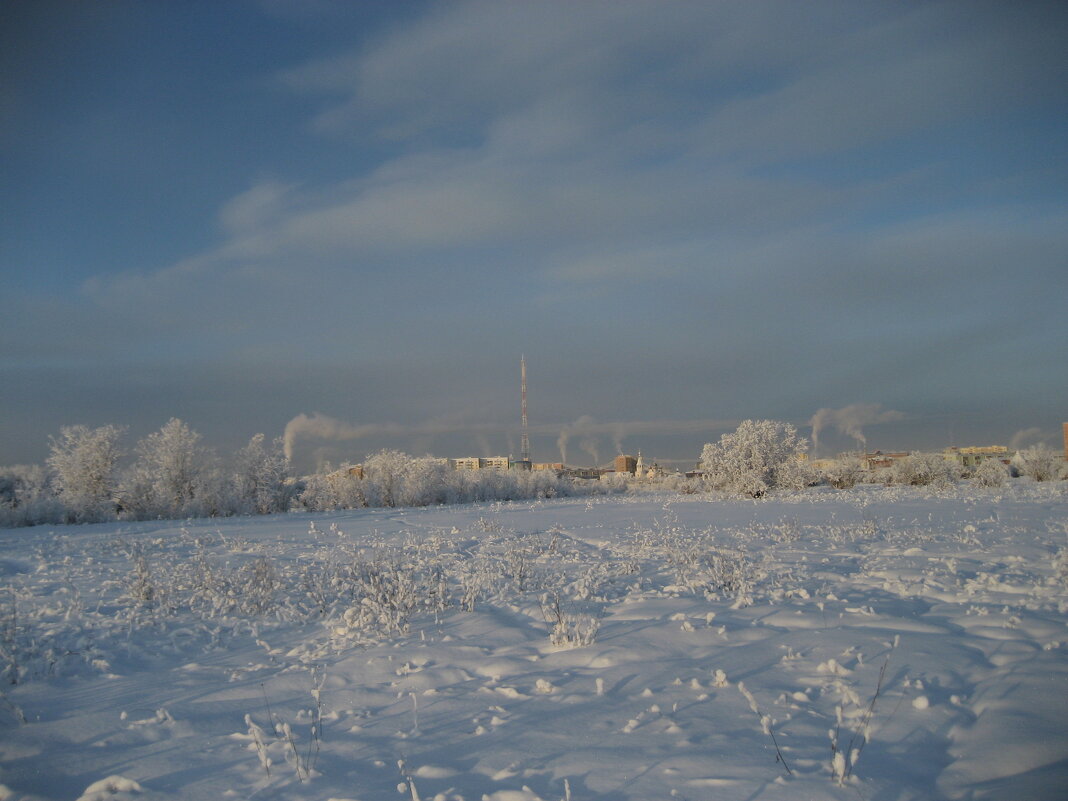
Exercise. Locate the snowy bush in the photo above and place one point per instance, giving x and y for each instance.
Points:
(260, 478)
(567, 629)
(1039, 463)
(331, 490)
(991, 473)
(843, 473)
(385, 592)
(26, 497)
(84, 461)
(923, 469)
(758, 456)
(392, 478)
(386, 471)
(170, 477)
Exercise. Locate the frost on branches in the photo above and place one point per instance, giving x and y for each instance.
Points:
(170, 476)
(1039, 463)
(758, 456)
(85, 463)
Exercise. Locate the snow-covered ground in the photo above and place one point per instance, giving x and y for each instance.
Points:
(876, 643)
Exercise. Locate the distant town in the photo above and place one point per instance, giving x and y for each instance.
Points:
(967, 458)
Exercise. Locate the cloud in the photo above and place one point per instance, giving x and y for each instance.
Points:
(643, 155)
(745, 208)
(257, 208)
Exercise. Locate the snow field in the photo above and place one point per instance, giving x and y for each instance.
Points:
(886, 643)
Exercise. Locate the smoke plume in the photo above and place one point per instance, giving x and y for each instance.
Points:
(850, 420)
(587, 431)
(1021, 438)
(319, 426)
(589, 444)
(581, 427)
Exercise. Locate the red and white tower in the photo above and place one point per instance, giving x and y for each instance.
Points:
(524, 448)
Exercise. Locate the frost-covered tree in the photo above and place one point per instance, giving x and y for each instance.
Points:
(385, 473)
(84, 462)
(26, 497)
(923, 469)
(758, 456)
(1039, 463)
(424, 482)
(332, 489)
(170, 474)
(844, 473)
(991, 473)
(391, 478)
(260, 478)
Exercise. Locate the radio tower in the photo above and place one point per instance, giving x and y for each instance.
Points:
(524, 449)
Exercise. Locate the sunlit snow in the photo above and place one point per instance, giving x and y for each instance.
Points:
(876, 643)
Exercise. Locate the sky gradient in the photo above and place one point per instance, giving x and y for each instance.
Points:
(349, 220)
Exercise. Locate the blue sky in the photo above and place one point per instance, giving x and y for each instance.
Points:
(349, 220)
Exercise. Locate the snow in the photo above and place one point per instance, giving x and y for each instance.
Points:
(879, 642)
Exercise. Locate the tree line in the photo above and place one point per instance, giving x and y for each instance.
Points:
(88, 478)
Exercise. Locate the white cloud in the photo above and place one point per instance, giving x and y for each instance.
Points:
(254, 209)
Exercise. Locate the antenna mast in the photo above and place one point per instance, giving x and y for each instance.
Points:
(524, 450)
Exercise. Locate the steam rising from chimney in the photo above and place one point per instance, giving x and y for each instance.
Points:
(578, 428)
(850, 420)
(589, 444)
(1021, 438)
(319, 426)
(586, 430)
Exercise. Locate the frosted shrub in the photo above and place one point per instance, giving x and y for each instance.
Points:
(325, 492)
(568, 630)
(614, 482)
(843, 473)
(727, 574)
(385, 472)
(923, 469)
(169, 478)
(392, 478)
(260, 582)
(259, 478)
(259, 740)
(1039, 463)
(758, 456)
(991, 473)
(84, 462)
(714, 573)
(139, 585)
(387, 592)
(26, 499)
(424, 482)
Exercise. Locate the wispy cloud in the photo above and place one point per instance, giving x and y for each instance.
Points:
(781, 202)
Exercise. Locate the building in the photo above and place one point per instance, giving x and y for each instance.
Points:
(480, 463)
(626, 464)
(591, 473)
(973, 456)
(487, 463)
(878, 459)
(556, 467)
